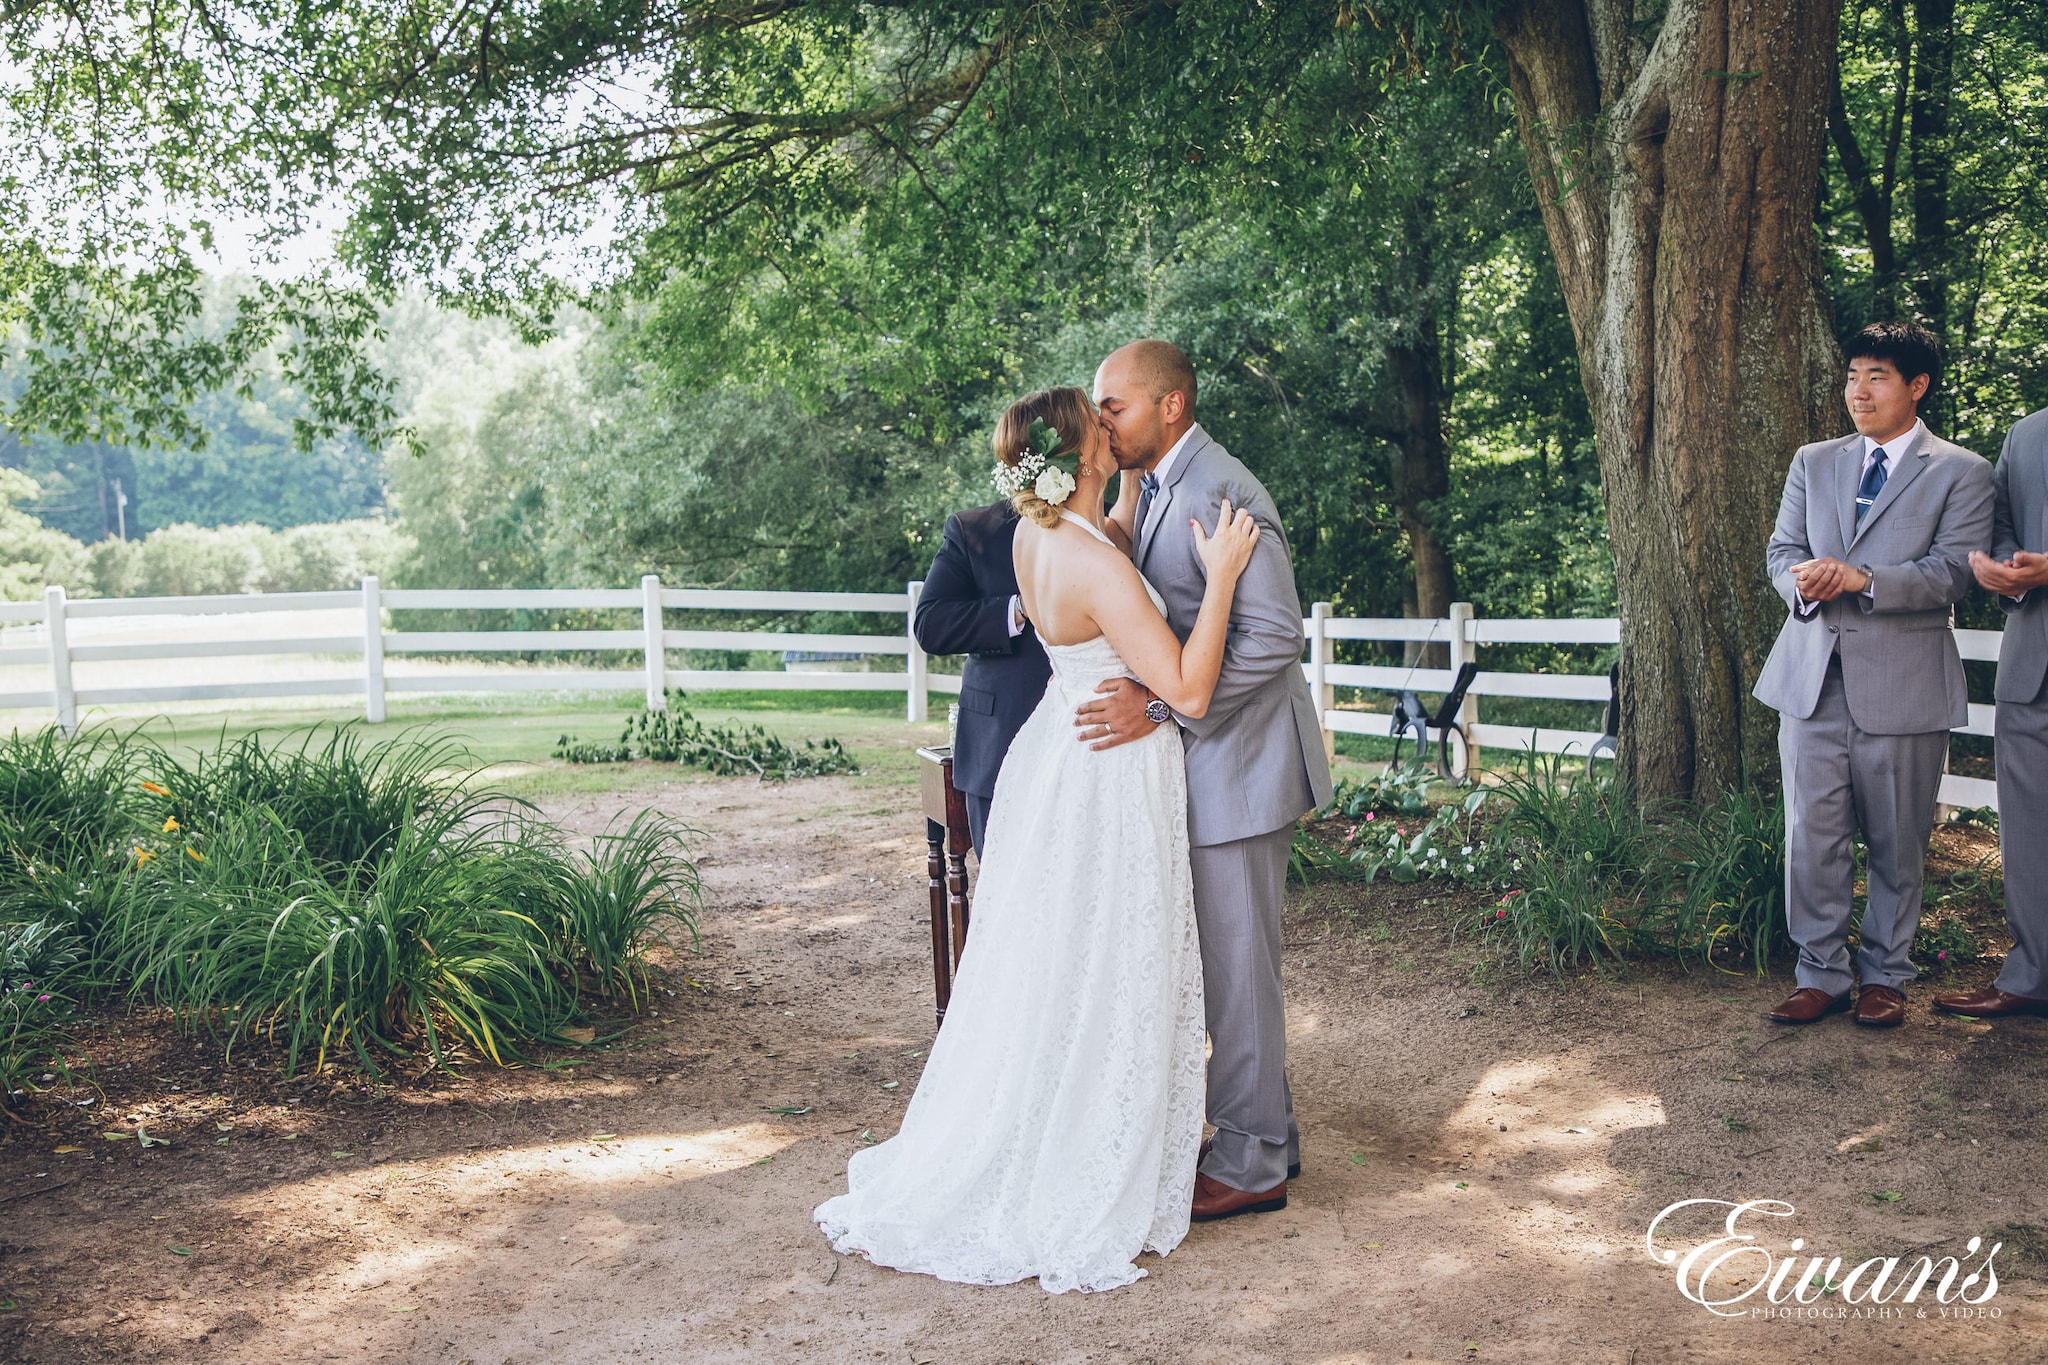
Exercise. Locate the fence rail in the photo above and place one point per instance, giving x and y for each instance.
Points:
(1463, 635)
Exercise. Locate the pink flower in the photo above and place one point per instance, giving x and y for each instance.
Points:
(1371, 815)
(41, 998)
(1501, 913)
(1941, 956)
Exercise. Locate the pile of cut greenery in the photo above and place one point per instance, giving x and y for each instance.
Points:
(674, 735)
(324, 894)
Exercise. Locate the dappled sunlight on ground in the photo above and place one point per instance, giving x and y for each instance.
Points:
(1480, 1166)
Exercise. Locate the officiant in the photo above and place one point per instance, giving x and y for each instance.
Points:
(970, 606)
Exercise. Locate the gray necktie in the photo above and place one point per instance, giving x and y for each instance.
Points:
(1148, 488)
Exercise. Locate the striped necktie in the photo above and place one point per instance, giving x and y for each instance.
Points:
(1872, 485)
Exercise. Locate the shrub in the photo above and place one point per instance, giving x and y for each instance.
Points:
(344, 797)
(41, 966)
(70, 812)
(633, 886)
(1724, 893)
(332, 894)
(184, 560)
(440, 936)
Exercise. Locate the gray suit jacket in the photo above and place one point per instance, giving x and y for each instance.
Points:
(1255, 761)
(1900, 669)
(2021, 523)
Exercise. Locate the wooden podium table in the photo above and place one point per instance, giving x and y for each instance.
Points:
(946, 845)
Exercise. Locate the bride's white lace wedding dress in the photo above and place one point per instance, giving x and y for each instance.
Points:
(1055, 1130)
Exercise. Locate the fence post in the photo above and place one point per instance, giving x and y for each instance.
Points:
(1319, 683)
(60, 660)
(373, 651)
(916, 704)
(657, 652)
(1463, 651)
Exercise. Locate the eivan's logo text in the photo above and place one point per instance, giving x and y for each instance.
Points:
(1723, 1274)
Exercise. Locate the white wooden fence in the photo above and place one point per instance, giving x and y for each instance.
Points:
(1464, 634)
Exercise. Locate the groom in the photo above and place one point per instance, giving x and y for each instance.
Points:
(1255, 760)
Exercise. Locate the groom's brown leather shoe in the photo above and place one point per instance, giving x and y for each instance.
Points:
(1990, 1002)
(1293, 1167)
(1807, 1004)
(1880, 1007)
(1214, 1199)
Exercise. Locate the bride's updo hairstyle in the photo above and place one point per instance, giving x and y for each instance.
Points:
(1067, 411)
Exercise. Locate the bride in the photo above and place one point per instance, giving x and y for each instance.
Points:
(1055, 1130)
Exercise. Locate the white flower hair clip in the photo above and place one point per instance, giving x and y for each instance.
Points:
(1041, 469)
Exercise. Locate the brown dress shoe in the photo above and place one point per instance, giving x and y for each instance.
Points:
(1807, 1004)
(1214, 1199)
(1990, 1002)
(1880, 1007)
(1293, 1167)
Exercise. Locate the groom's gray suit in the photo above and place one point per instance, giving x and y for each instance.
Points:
(1867, 688)
(1255, 766)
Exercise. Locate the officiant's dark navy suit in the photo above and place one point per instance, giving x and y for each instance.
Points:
(965, 609)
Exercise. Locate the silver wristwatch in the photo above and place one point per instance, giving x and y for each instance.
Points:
(1156, 712)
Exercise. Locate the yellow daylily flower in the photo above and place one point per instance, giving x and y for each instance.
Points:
(194, 854)
(142, 855)
(156, 790)
(171, 825)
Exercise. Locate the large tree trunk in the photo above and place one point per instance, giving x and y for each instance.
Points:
(1678, 183)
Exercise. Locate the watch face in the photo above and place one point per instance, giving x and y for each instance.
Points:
(1155, 711)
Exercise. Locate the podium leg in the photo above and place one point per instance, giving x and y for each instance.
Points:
(956, 901)
(936, 881)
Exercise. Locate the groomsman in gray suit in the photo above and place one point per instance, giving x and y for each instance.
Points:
(1871, 553)
(1255, 759)
(2017, 571)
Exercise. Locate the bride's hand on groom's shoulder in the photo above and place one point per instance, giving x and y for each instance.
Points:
(1227, 551)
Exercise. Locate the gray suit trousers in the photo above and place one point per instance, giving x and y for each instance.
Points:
(1838, 779)
(1238, 886)
(2023, 841)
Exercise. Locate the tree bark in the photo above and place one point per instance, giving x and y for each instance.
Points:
(1678, 179)
(1420, 474)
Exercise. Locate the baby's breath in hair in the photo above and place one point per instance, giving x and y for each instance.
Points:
(1039, 468)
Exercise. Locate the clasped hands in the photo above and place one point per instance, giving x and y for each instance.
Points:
(1823, 580)
(2010, 578)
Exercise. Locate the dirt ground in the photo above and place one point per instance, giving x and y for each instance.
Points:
(1483, 1152)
